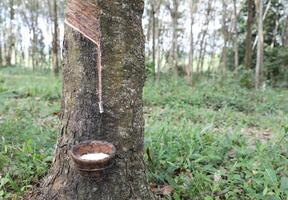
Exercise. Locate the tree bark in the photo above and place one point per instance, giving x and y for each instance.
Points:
(193, 9)
(174, 47)
(226, 37)
(285, 33)
(11, 37)
(159, 44)
(55, 44)
(1, 53)
(260, 50)
(174, 15)
(263, 19)
(34, 47)
(122, 122)
(236, 48)
(248, 41)
(153, 36)
(191, 50)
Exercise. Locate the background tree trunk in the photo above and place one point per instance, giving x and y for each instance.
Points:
(11, 37)
(235, 30)
(55, 45)
(174, 16)
(260, 50)
(226, 37)
(248, 41)
(153, 37)
(193, 8)
(191, 50)
(174, 47)
(159, 43)
(286, 32)
(122, 123)
(1, 54)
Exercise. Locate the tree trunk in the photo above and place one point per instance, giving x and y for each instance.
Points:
(122, 122)
(260, 50)
(191, 52)
(159, 44)
(263, 19)
(174, 16)
(55, 59)
(236, 49)
(34, 48)
(226, 37)
(174, 47)
(193, 8)
(248, 41)
(202, 50)
(202, 59)
(1, 54)
(11, 37)
(153, 37)
(284, 35)
(149, 28)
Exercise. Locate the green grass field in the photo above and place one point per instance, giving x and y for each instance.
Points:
(214, 140)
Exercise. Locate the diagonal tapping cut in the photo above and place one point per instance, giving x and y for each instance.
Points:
(83, 17)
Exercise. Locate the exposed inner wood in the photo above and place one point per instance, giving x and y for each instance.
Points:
(83, 16)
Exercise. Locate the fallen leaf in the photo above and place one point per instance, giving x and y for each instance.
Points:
(167, 190)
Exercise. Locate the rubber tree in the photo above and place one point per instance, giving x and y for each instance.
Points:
(122, 123)
(235, 41)
(225, 32)
(248, 40)
(260, 49)
(55, 42)
(173, 8)
(11, 36)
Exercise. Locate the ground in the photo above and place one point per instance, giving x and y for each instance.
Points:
(215, 140)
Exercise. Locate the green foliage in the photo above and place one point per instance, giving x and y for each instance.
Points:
(150, 67)
(28, 127)
(276, 63)
(216, 140)
(199, 140)
(275, 71)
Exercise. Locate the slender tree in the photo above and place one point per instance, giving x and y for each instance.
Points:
(173, 8)
(202, 37)
(225, 33)
(55, 42)
(193, 8)
(235, 31)
(155, 7)
(260, 50)
(159, 49)
(1, 54)
(248, 41)
(121, 123)
(284, 35)
(11, 36)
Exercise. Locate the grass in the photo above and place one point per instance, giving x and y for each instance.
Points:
(214, 140)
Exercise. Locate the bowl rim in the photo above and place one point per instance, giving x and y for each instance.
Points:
(91, 142)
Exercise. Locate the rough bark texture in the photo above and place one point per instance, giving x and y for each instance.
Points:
(159, 43)
(153, 37)
(174, 15)
(235, 46)
(260, 50)
(226, 38)
(285, 33)
(1, 55)
(122, 122)
(11, 36)
(248, 41)
(55, 44)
